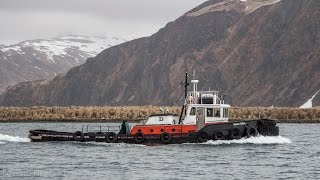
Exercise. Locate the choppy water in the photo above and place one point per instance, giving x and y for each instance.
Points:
(294, 154)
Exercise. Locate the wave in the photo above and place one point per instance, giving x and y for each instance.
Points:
(111, 144)
(8, 138)
(253, 140)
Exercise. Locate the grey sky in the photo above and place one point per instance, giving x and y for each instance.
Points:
(30, 19)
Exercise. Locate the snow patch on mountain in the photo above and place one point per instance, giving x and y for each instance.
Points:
(247, 6)
(308, 104)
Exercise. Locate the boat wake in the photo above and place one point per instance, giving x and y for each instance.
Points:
(112, 144)
(253, 140)
(7, 138)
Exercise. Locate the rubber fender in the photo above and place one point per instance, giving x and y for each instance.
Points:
(203, 136)
(218, 135)
(251, 131)
(139, 137)
(235, 133)
(78, 136)
(166, 137)
(111, 137)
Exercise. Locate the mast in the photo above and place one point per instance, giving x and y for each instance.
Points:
(185, 84)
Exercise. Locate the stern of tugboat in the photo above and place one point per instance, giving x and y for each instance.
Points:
(268, 127)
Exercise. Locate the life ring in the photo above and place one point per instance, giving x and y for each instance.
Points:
(78, 136)
(166, 138)
(203, 136)
(235, 133)
(139, 137)
(251, 131)
(111, 137)
(218, 135)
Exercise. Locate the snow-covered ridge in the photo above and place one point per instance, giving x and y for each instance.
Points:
(46, 58)
(58, 46)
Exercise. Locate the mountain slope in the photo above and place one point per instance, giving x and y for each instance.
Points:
(259, 53)
(45, 58)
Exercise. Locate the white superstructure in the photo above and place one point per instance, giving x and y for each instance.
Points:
(207, 105)
(200, 106)
(163, 119)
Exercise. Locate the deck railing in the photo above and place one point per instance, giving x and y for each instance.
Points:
(100, 128)
(199, 97)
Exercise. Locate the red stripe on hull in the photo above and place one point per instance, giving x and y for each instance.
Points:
(159, 129)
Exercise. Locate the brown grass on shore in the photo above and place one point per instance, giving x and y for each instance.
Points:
(75, 113)
(282, 114)
(79, 113)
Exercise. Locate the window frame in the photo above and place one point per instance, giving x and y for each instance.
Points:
(193, 111)
(207, 114)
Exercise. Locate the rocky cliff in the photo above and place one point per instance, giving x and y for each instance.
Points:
(257, 52)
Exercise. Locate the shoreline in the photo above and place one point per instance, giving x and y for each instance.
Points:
(135, 114)
(71, 121)
(302, 121)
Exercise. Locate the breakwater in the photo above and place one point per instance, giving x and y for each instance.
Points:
(137, 113)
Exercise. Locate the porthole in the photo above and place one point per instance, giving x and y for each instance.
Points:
(151, 130)
(162, 130)
(173, 129)
(139, 130)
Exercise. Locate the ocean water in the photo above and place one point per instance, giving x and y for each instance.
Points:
(295, 154)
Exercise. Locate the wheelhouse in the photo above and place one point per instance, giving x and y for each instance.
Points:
(208, 105)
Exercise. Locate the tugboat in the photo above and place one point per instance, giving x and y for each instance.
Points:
(203, 117)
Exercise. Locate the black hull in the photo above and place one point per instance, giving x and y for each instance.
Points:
(226, 131)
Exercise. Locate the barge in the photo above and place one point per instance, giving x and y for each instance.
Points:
(204, 116)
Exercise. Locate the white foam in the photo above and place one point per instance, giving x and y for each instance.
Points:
(2, 142)
(8, 138)
(253, 140)
(112, 144)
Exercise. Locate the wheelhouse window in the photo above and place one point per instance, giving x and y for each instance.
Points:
(209, 112)
(216, 112)
(193, 111)
(225, 113)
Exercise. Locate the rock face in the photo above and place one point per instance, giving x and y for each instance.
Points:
(45, 58)
(258, 52)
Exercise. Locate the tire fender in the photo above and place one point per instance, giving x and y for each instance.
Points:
(235, 133)
(166, 137)
(78, 136)
(251, 131)
(139, 137)
(111, 137)
(203, 136)
(218, 135)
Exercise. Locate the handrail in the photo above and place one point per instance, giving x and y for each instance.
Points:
(100, 128)
(197, 97)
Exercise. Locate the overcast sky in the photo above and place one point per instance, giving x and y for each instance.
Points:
(30, 19)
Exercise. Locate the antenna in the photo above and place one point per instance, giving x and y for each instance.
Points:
(185, 84)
